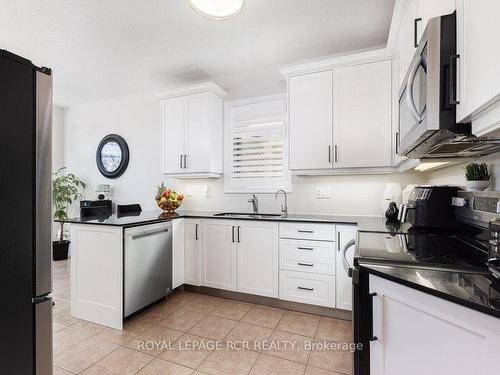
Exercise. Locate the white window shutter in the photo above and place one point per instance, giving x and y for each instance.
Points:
(257, 143)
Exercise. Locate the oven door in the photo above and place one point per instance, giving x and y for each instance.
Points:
(413, 103)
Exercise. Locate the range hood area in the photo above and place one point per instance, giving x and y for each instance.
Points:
(447, 144)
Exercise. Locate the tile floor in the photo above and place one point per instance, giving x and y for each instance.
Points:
(162, 340)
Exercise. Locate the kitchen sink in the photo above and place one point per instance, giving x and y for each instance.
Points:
(248, 215)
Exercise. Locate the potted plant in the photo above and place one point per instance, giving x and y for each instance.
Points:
(477, 175)
(66, 188)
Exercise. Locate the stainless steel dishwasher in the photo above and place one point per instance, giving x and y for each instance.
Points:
(148, 265)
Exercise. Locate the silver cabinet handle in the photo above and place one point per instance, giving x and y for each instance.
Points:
(345, 263)
(232, 233)
(196, 232)
(305, 231)
(148, 233)
(185, 161)
(304, 288)
(329, 154)
(338, 241)
(336, 153)
(305, 264)
(180, 161)
(305, 248)
(238, 233)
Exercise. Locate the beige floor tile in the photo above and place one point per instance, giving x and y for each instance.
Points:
(263, 316)
(232, 310)
(250, 334)
(182, 320)
(65, 318)
(299, 323)
(83, 355)
(333, 360)
(267, 365)
(310, 370)
(289, 346)
(229, 362)
(154, 340)
(59, 371)
(67, 338)
(334, 330)
(56, 327)
(131, 329)
(151, 316)
(161, 367)
(87, 327)
(122, 361)
(59, 305)
(189, 351)
(213, 327)
(203, 304)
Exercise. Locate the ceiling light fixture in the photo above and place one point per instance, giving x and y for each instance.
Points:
(217, 9)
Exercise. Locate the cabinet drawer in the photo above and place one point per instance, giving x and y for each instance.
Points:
(307, 288)
(307, 256)
(306, 231)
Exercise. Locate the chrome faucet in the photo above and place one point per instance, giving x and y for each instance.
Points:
(255, 204)
(284, 208)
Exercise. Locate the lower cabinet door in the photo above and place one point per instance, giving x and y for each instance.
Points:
(178, 261)
(258, 258)
(219, 254)
(343, 296)
(307, 288)
(192, 251)
(417, 333)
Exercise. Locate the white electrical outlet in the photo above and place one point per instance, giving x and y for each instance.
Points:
(323, 193)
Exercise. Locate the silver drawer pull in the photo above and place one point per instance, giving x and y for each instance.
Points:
(305, 231)
(305, 248)
(306, 264)
(304, 288)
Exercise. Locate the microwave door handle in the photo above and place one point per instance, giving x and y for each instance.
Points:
(409, 90)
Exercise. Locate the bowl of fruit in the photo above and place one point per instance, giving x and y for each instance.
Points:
(168, 199)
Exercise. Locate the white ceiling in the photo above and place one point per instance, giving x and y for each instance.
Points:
(108, 48)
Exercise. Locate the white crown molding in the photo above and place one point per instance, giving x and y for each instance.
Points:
(195, 89)
(335, 61)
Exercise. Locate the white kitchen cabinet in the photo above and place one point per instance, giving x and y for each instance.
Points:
(192, 132)
(178, 258)
(479, 63)
(362, 122)
(421, 334)
(343, 284)
(310, 120)
(192, 251)
(310, 288)
(258, 258)
(219, 254)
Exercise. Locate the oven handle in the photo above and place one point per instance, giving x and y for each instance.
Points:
(419, 117)
(347, 267)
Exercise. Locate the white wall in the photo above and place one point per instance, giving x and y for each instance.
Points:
(454, 175)
(137, 119)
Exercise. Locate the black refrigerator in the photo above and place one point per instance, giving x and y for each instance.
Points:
(25, 217)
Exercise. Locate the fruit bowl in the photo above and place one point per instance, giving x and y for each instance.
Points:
(168, 199)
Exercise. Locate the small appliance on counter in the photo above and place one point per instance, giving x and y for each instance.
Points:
(103, 191)
(430, 207)
(100, 207)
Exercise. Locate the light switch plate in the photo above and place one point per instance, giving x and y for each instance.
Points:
(323, 193)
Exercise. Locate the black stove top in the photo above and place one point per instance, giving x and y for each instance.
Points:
(463, 250)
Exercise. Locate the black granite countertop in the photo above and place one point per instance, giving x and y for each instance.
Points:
(480, 292)
(364, 223)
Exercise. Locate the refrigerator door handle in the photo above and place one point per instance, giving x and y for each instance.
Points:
(43, 181)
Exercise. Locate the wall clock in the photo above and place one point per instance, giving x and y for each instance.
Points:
(112, 156)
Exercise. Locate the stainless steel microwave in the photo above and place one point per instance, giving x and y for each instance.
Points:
(428, 100)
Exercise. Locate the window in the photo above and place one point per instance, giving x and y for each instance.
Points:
(256, 145)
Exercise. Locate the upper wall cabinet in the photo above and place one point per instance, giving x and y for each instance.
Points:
(362, 115)
(340, 119)
(192, 132)
(479, 64)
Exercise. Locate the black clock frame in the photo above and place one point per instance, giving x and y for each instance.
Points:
(125, 156)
